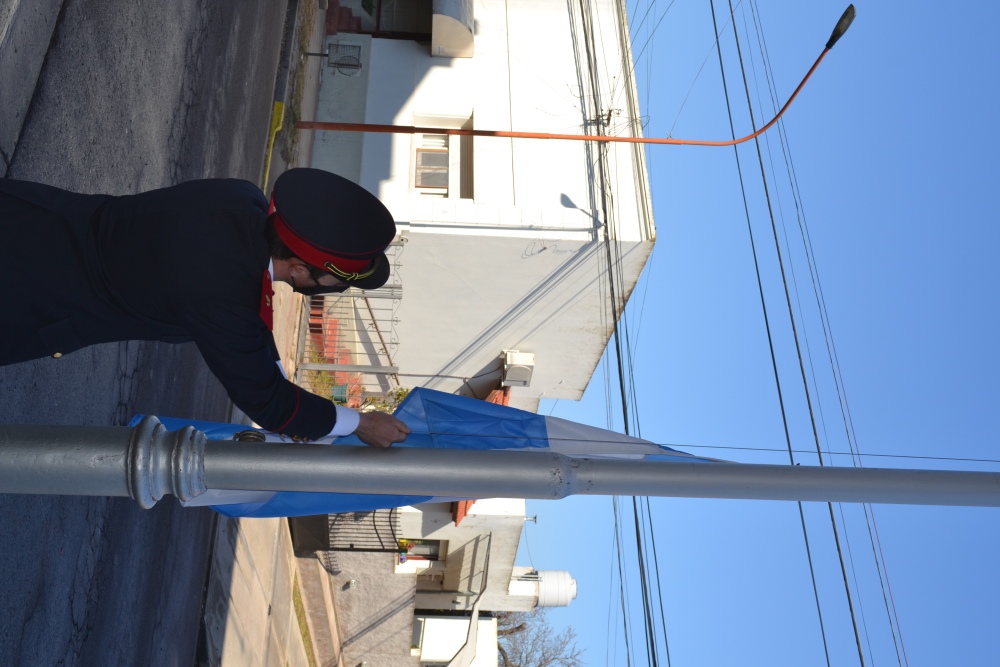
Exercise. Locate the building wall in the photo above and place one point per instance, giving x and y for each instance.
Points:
(523, 263)
(343, 98)
(375, 614)
(526, 75)
(443, 637)
(491, 529)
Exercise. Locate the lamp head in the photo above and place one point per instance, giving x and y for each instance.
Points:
(842, 25)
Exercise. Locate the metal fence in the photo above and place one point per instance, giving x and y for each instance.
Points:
(370, 532)
(347, 341)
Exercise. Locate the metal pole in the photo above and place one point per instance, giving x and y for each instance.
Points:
(348, 368)
(527, 474)
(144, 463)
(147, 462)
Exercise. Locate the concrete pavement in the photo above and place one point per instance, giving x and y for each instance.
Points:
(292, 150)
(249, 615)
(318, 598)
(123, 97)
(249, 612)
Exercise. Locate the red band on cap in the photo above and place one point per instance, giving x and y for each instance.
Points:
(309, 253)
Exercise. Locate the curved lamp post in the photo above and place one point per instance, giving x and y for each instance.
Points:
(842, 25)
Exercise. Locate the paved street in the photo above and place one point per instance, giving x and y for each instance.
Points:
(132, 96)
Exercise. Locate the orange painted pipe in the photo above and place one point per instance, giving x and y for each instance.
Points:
(411, 129)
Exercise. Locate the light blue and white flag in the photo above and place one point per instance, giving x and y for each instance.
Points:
(436, 420)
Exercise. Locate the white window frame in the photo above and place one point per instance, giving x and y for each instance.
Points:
(458, 149)
(432, 145)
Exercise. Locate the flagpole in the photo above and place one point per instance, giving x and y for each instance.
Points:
(147, 462)
(546, 475)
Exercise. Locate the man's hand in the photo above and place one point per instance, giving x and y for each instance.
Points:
(379, 429)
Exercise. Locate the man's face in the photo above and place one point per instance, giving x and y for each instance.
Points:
(305, 281)
(329, 281)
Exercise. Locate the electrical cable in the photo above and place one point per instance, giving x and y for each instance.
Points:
(683, 446)
(767, 325)
(854, 575)
(615, 313)
(615, 271)
(886, 587)
(611, 637)
(659, 588)
(621, 583)
(796, 339)
(644, 585)
(711, 50)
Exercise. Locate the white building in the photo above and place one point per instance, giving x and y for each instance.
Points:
(437, 640)
(429, 603)
(506, 245)
(509, 244)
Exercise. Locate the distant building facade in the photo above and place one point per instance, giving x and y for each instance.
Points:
(505, 244)
(429, 602)
(514, 260)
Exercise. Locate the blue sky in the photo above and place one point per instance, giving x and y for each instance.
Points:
(894, 148)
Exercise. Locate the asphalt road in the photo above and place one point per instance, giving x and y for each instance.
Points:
(132, 96)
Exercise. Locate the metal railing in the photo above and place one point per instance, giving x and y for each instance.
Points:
(347, 341)
(373, 531)
(367, 532)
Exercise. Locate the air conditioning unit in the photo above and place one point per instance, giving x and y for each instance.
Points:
(517, 368)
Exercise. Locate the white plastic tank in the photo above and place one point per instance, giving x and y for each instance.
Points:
(556, 588)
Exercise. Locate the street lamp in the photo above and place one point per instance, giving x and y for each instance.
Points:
(842, 25)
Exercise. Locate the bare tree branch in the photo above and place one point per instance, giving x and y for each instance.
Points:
(510, 631)
(528, 640)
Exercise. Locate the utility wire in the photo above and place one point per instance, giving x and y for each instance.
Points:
(659, 588)
(711, 49)
(854, 575)
(621, 583)
(885, 585)
(631, 67)
(611, 636)
(680, 447)
(770, 342)
(624, 360)
(642, 185)
(644, 582)
(784, 281)
(814, 273)
(612, 268)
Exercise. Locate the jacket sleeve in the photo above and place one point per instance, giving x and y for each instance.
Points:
(241, 353)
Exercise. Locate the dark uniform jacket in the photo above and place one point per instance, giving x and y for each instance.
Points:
(184, 263)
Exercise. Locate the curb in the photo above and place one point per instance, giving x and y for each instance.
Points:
(280, 87)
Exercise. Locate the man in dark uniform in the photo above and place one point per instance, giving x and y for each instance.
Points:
(194, 262)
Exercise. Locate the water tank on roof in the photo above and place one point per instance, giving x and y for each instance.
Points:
(555, 588)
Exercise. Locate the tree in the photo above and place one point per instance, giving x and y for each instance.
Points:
(385, 402)
(526, 639)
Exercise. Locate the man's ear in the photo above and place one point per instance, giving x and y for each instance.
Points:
(297, 268)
